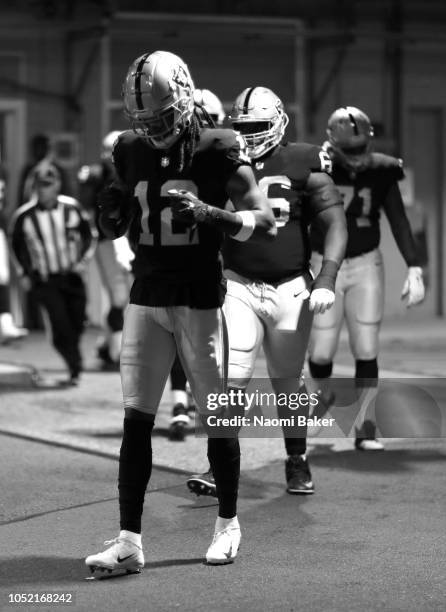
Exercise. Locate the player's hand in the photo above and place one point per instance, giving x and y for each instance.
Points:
(413, 287)
(186, 207)
(321, 300)
(110, 200)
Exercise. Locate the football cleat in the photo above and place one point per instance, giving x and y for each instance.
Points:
(366, 438)
(225, 545)
(298, 476)
(178, 423)
(202, 484)
(368, 445)
(122, 554)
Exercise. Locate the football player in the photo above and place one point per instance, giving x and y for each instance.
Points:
(113, 259)
(368, 183)
(271, 296)
(177, 293)
(211, 110)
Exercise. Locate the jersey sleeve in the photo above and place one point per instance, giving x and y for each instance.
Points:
(321, 193)
(390, 167)
(130, 155)
(316, 158)
(399, 224)
(222, 152)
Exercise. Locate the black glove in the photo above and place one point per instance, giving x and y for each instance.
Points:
(110, 200)
(186, 207)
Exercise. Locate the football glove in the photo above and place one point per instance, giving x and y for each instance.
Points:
(321, 300)
(413, 288)
(186, 207)
(110, 200)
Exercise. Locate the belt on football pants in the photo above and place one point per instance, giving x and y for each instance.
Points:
(235, 276)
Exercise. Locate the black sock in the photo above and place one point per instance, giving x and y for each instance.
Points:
(135, 467)
(295, 438)
(366, 374)
(4, 298)
(320, 370)
(224, 459)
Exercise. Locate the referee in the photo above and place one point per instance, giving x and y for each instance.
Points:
(51, 241)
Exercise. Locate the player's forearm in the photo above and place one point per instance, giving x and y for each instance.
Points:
(399, 224)
(240, 225)
(335, 240)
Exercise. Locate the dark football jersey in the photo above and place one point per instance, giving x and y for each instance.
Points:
(364, 194)
(295, 195)
(176, 264)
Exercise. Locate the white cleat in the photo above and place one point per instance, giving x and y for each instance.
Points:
(369, 445)
(122, 555)
(224, 546)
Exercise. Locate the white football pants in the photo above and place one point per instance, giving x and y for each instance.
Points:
(360, 300)
(151, 337)
(275, 317)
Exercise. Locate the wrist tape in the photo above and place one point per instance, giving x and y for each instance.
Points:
(248, 225)
(326, 279)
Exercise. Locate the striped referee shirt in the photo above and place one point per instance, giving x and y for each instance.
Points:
(50, 241)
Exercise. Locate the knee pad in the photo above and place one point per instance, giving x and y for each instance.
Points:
(115, 319)
(320, 370)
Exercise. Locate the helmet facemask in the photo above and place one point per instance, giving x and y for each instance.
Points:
(259, 116)
(158, 98)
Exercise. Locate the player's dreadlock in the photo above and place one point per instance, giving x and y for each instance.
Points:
(182, 155)
(204, 117)
(181, 159)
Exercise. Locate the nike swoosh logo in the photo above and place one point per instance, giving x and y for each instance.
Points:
(228, 555)
(122, 559)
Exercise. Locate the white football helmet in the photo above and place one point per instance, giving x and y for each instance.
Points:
(158, 94)
(211, 104)
(350, 135)
(258, 114)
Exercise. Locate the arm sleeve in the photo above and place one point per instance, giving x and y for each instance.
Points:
(399, 224)
(333, 226)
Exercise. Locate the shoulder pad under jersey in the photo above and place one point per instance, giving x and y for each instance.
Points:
(392, 166)
(224, 141)
(309, 156)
